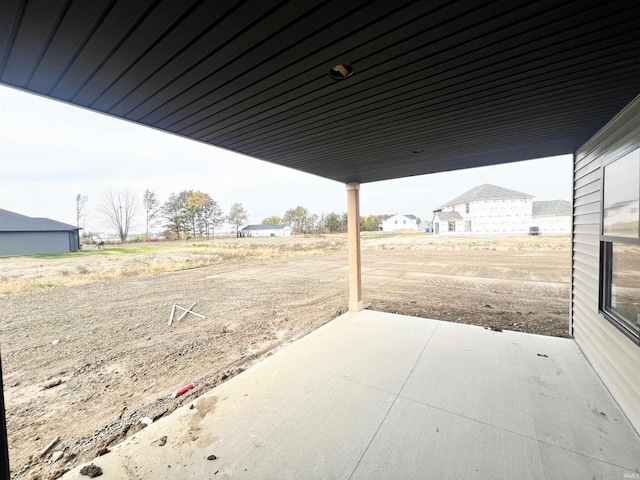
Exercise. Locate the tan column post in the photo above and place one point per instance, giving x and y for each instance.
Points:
(353, 229)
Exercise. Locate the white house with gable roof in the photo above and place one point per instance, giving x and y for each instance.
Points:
(393, 223)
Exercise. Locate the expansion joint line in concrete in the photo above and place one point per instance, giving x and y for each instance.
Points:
(394, 401)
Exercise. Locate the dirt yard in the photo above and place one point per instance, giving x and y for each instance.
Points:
(85, 361)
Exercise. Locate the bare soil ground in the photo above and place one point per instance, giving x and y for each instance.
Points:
(85, 362)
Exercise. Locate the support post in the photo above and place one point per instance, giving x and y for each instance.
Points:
(353, 229)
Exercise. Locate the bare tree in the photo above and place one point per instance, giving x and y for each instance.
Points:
(119, 209)
(81, 209)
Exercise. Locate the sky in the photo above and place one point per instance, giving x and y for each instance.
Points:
(51, 151)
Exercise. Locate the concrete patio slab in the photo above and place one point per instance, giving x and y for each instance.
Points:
(376, 395)
(537, 386)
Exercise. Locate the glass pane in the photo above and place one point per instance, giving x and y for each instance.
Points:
(622, 196)
(625, 282)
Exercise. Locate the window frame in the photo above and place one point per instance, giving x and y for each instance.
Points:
(606, 244)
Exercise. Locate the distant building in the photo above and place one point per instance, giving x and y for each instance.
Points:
(492, 209)
(22, 235)
(426, 226)
(392, 223)
(266, 230)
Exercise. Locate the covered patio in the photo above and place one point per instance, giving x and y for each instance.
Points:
(376, 395)
(360, 92)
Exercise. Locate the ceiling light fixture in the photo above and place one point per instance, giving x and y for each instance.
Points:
(417, 150)
(342, 71)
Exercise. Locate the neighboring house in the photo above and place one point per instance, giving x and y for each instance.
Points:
(266, 230)
(392, 223)
(552, 217)
(22, 235)
(492, 209)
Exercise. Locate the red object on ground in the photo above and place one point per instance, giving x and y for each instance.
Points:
(186, 388)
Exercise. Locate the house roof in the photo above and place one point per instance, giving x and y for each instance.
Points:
(438, 85)
(387, 217)
(486, 192)
(265, 226)
(448, 216)
(14, 222)
(551, 207)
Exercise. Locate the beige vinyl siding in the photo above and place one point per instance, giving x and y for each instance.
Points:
(615, 357)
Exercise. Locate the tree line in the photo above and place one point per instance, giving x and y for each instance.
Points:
(303, 222)
(192, 213)
(186, 214)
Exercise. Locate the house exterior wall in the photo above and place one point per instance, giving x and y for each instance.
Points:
(33, 243)
(613, 356)
(399, 222)
(493, 216)
(552, 223)
(441, 227)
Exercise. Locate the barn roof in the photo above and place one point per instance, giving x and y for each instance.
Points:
(551, 207)
(14, 222)
(486, 192)
(438, 85)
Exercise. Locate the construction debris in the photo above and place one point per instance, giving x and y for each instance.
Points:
(146, 421)
(55, 456)
(186, 311)
(182, 390)
(50, 446)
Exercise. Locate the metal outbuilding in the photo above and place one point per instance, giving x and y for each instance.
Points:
(22, 235)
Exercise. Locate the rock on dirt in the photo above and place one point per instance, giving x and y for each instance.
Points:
(91, 471)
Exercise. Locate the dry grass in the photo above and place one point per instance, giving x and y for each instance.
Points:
(25, 274)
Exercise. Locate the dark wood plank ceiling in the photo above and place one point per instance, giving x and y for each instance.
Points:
(439, 85)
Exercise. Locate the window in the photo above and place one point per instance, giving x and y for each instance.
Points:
(467, 225)
(466, 208)
(620, 244)
(452, 226)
